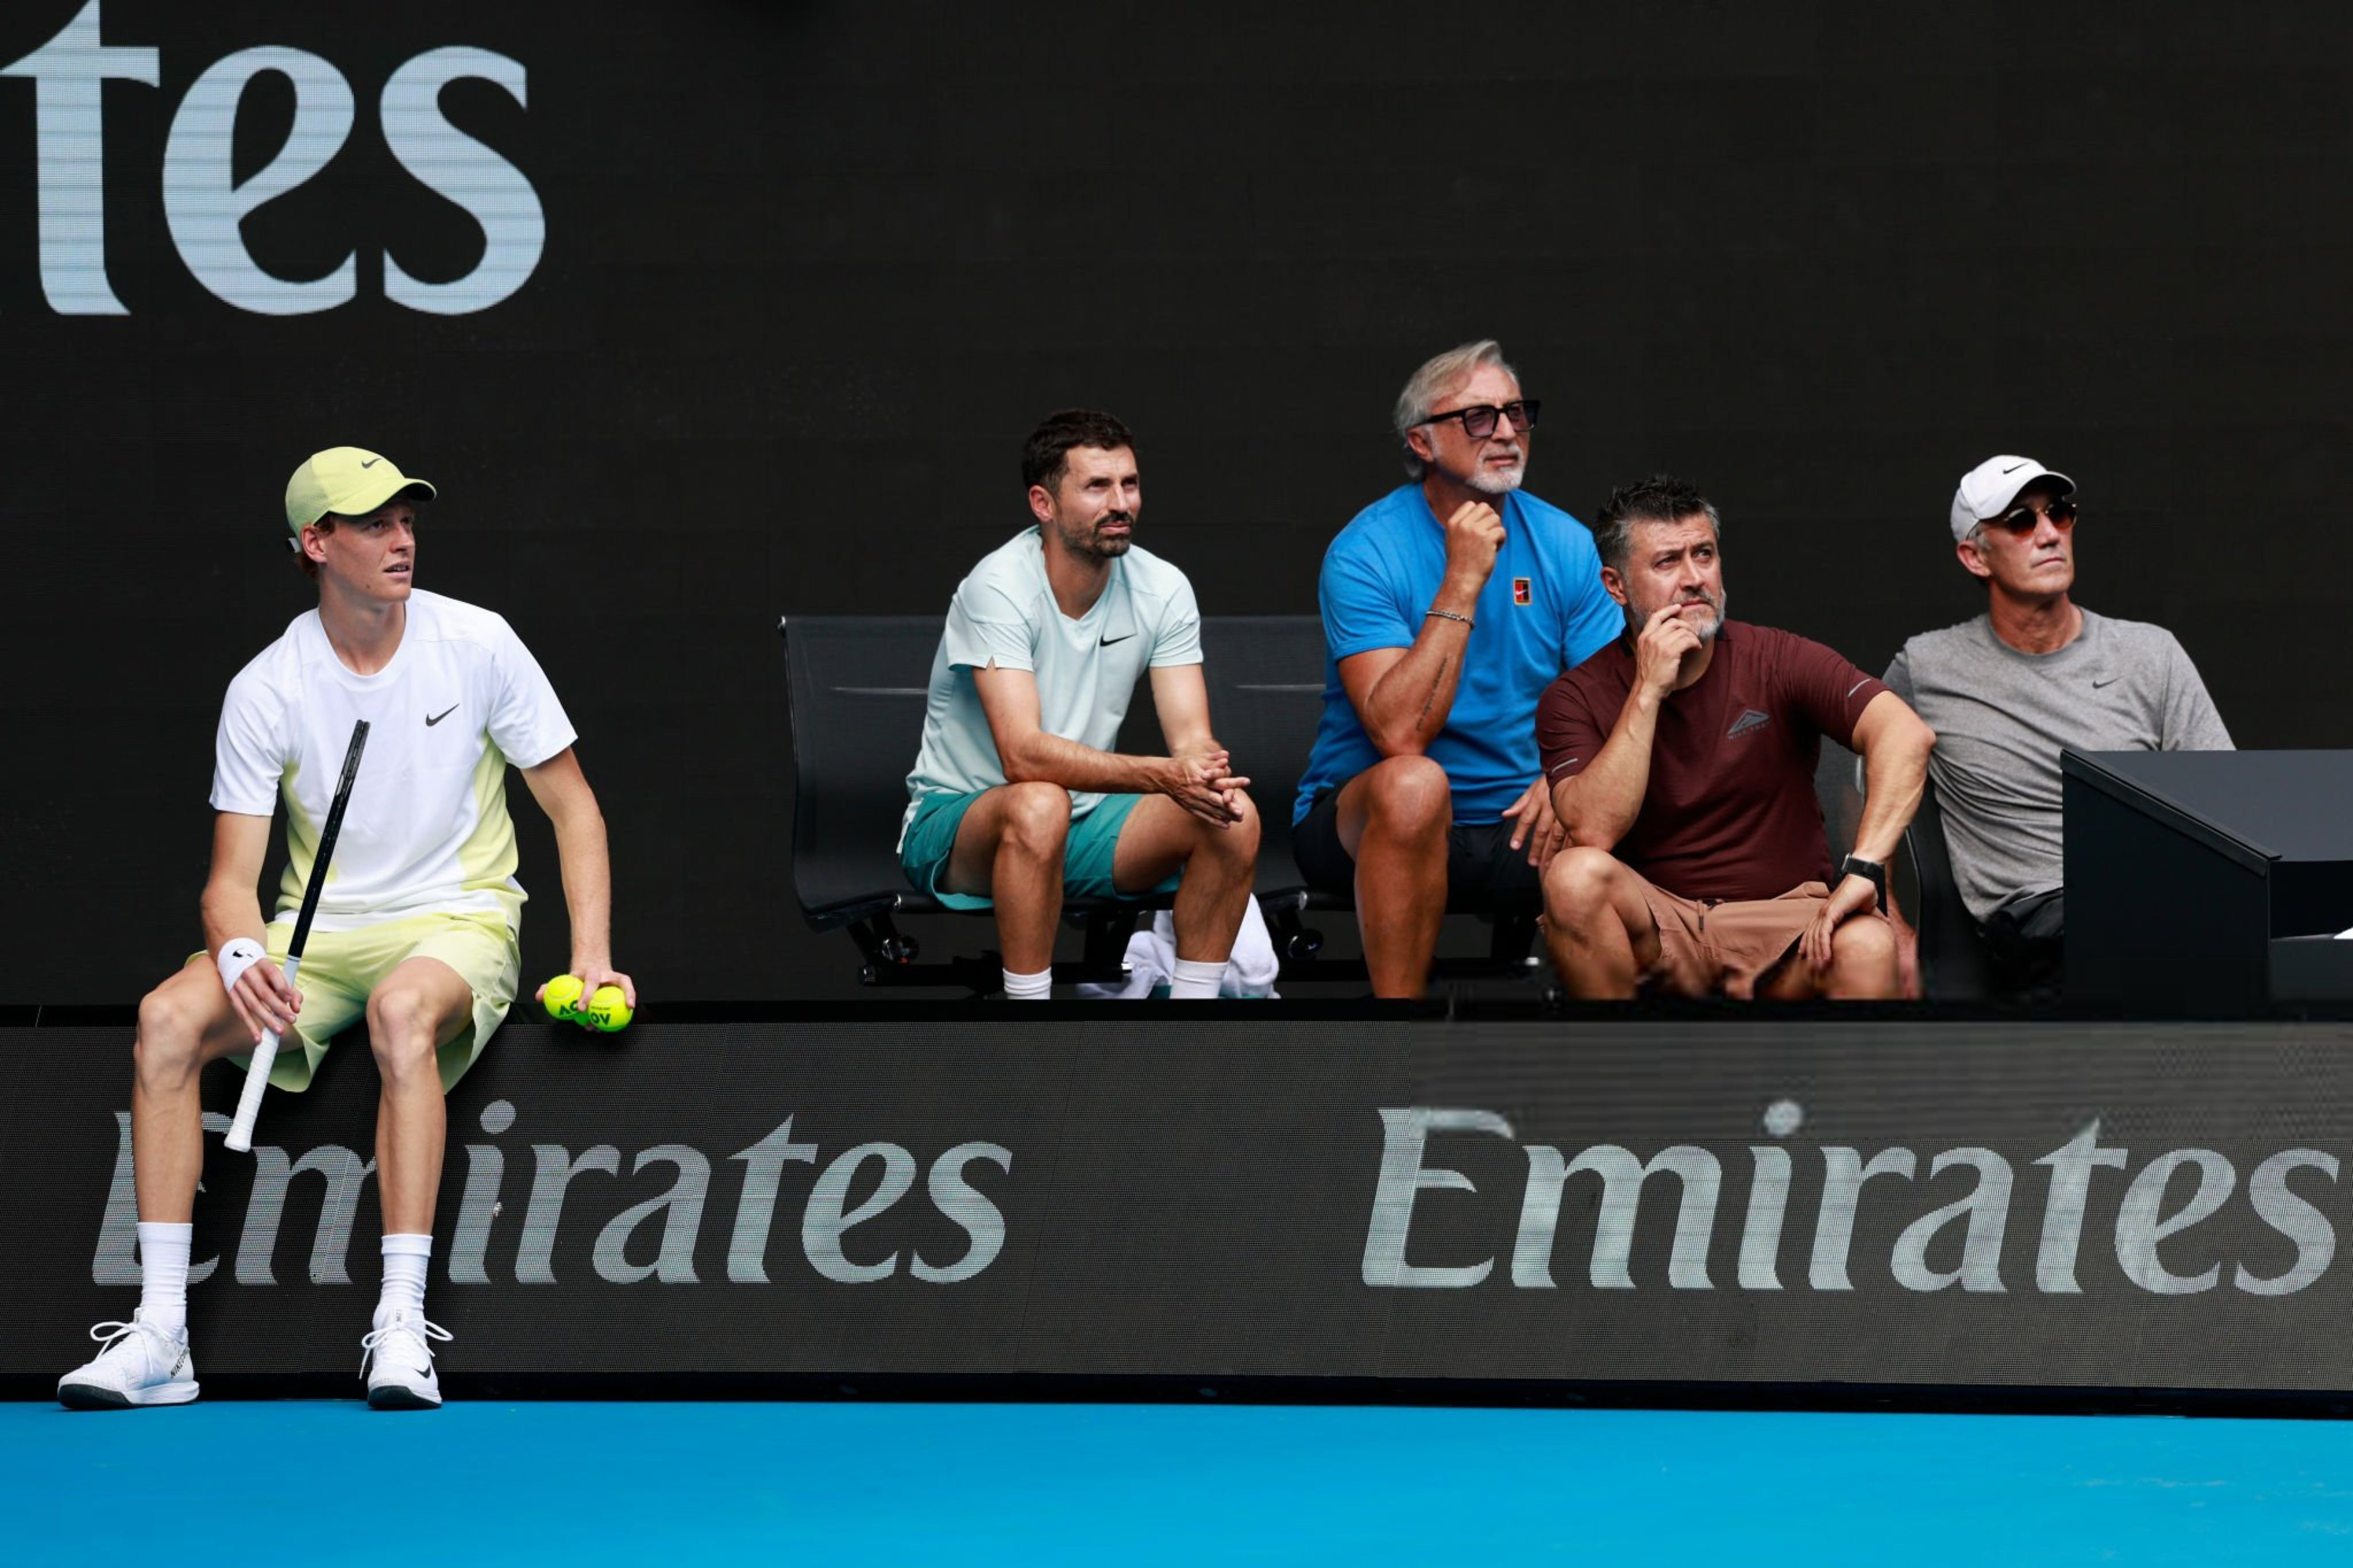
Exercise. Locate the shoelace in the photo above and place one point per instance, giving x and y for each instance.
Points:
(419, 1327)
(110, 1334)
(107, 1333)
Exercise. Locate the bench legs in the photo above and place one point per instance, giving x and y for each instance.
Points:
(890, 957)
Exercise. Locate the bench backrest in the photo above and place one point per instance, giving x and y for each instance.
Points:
(857, 686)
(1838, 785)
(1953, 965)
(1265, 675)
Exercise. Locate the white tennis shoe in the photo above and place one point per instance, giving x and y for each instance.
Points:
(139, 1365)
(398, 1362)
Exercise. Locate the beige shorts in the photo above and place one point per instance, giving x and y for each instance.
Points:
(1710, 947)
(340, 968)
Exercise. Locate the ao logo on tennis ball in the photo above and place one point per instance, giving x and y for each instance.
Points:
(205, 202)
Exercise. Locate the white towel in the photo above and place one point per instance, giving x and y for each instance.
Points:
(1151, 960)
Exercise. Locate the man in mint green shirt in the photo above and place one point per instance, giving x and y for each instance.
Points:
(1017, 793)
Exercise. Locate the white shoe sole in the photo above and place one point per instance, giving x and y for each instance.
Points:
(98, 1396)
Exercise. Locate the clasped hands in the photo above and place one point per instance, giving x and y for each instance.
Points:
(1205, 784)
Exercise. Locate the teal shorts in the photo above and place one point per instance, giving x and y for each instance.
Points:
(1087, 854)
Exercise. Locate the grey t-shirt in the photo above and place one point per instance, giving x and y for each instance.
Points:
(2002, 716)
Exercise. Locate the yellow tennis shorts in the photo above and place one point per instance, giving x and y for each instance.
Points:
(340, 968)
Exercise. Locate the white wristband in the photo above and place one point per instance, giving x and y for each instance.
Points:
(236, 955)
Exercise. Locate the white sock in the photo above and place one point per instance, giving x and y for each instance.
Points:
(1197, 980)
(404, 1260)
(1038, 987)
(163, 1274)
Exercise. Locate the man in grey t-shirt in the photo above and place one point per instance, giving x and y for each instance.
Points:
(2006, 690)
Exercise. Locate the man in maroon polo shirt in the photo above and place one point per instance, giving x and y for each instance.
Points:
(1681, 762)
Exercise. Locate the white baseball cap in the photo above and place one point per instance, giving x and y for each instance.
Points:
(1987, 491)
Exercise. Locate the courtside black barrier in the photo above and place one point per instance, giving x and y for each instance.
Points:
(1393, 1203)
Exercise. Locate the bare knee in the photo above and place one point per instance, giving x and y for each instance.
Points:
(1408, 798)
(401, 1026)
(1580, 886)
(1036, 820)
(1238, 840)
(171, 1033)
(1862, 957)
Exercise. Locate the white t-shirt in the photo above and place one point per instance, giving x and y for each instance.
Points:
(1086, 669)
(427, 828)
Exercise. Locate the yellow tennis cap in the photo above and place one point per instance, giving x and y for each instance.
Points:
(349, 482)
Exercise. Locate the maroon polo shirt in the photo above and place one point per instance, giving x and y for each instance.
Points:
(1730, 812)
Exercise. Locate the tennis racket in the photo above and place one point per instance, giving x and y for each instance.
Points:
(257, 1073)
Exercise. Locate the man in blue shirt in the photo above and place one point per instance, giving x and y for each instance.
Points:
(1449, 606)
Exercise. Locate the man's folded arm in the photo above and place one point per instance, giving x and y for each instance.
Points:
(1032, 755)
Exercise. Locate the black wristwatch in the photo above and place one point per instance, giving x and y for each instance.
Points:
(1871, 871)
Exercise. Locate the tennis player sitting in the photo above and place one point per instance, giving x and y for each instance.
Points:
(416, 929)
(1017, 793)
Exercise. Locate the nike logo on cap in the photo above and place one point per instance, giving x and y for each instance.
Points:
(437, 718)
(2012, 470)
(372, 462)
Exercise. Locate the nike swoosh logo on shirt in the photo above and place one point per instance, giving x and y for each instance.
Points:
(443, 714)
(1108, 641)
(2109, 681)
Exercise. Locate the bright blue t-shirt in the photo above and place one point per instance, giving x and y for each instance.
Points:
(1543, 611)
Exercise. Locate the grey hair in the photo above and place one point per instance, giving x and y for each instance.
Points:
(1435, 377)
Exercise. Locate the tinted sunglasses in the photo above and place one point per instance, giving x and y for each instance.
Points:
(1479, 423)
(2021, 520)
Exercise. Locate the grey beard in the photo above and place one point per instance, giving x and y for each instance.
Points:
(1715, 603)
(1488, 482)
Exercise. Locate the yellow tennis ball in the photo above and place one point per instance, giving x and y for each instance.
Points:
(609, 1010)
(562, 998)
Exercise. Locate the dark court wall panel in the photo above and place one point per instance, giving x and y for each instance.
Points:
(745, 308)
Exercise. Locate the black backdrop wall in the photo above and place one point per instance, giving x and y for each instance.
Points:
(810, 272)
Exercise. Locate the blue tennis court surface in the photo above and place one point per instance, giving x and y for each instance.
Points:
(1160, 1484)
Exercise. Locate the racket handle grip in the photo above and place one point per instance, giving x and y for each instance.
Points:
(248, 1102)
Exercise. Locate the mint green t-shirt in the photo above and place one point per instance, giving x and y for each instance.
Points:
(1003, 612)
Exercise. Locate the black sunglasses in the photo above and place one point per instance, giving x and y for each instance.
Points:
(1479, 422)
(2021, 519)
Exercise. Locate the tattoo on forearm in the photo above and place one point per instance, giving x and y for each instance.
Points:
(1436, 681)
